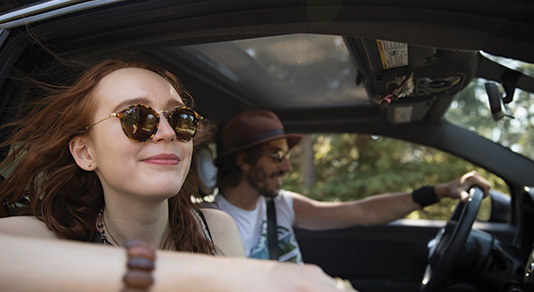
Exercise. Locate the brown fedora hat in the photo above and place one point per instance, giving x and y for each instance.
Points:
(252, 128)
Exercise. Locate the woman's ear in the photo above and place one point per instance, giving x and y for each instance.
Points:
(79, 149)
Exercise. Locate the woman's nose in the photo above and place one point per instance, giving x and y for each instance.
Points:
(165, 131)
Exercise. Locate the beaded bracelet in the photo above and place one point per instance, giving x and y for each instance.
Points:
(141, 263)
(425, 196)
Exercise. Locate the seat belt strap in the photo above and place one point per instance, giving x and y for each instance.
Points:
(272, 237)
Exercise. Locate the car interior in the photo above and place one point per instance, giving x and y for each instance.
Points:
(387, 68)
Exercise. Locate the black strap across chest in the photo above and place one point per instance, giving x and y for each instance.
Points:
(272, 238)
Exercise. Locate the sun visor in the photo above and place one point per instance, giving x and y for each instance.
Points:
(395, 73)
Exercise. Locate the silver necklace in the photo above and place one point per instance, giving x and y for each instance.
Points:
(101, 227)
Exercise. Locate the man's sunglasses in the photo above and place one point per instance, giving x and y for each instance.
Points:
(140, 122)
(278, 156)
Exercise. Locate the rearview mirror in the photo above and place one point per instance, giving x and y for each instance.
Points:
(495, 101)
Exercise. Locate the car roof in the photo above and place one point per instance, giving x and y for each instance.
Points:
(497, 27)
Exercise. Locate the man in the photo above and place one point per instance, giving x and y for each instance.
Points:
(250, 170)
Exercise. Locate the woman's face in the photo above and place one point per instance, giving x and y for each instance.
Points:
(155, 169)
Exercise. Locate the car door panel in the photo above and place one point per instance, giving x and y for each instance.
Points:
(389, 257)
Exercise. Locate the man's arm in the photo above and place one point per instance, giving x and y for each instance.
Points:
(377, 209)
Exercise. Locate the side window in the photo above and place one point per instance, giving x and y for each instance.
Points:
(343, 167)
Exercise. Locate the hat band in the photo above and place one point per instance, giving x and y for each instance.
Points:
(272, 133)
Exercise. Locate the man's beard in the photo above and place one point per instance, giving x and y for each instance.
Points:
(257, 178)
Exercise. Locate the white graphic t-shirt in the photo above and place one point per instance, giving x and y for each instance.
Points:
(252, 227)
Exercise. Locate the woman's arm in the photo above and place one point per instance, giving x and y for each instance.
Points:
(32, 264)
(25, 226)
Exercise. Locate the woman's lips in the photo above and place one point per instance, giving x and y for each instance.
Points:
(163, 159)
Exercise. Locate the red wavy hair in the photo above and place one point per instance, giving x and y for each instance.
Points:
(54, 189)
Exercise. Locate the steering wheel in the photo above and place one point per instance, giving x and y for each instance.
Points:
(445, 248)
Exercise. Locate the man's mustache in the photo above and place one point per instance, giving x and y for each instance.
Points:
(280, 173)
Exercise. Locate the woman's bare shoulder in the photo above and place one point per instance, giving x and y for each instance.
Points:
(218, 220)
(25, 226)
(224, 232)
(216, 215)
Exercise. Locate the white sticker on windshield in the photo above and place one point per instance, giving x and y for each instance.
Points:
(392, 54)
(403, 114)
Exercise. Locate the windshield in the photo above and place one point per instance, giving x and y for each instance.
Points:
(293, 71)
(516, 130)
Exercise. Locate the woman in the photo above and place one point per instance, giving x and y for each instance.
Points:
(108, 160)
(96, 164)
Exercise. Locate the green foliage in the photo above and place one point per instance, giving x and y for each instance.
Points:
(352, 166)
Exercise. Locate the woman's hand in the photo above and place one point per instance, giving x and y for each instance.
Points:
(287, 277)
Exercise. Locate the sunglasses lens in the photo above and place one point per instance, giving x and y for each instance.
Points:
(139, 122)
(280, 155)
(185, 123)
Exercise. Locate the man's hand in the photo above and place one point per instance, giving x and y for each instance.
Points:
(458, 188)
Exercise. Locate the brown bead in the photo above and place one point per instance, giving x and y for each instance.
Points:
(138, 279)
(141, 257)
(136, 242)
(133, 290)
(141, 252)
(139, 263)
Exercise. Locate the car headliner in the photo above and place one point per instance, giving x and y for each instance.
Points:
(497, 27)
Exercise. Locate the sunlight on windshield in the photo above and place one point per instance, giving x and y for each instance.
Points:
(516, 130)
(290, 70)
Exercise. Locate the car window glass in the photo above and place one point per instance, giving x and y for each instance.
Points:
(343, 167)
(514, 131)
(289, 70)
